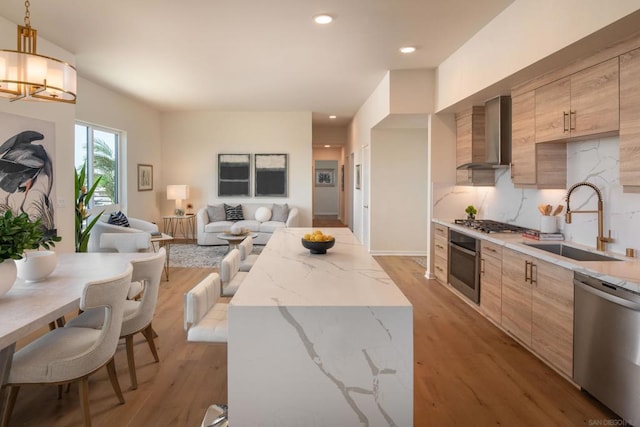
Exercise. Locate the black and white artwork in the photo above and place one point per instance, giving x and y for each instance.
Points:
(26, 168)
(325, 178)
(270, 175)
(234, 171)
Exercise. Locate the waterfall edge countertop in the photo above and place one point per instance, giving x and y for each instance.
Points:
(288, 274)
(624, 273)
(319, 339)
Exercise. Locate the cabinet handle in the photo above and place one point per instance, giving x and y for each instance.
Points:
(565, 117)
(439, 246)
(526, 271)
(511, 169)
(491, 250)
(481, 265)
(532, 279)
(572, 120)
(439, 268)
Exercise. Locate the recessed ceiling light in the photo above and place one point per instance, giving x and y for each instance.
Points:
(332, 117)
(327, 146)
(323, 19)
(407, 49)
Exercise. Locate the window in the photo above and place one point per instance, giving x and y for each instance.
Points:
(100, 149)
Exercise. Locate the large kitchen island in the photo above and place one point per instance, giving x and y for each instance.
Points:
(319, 340)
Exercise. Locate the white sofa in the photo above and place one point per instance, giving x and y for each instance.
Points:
(208, 231)
(102, 226)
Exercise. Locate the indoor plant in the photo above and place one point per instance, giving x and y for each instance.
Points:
(82, 196)
(471, 212)
(18, 233)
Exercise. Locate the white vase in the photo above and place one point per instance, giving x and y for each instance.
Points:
(8, 274)
(36, 266)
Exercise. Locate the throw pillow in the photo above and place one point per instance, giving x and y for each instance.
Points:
(233, 213)
(216, 213)
(263, 214)
(280, 212)
(118, 218)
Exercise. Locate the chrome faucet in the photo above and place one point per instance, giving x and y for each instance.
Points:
(601, 240)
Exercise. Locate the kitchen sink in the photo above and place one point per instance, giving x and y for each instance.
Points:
(571, 252)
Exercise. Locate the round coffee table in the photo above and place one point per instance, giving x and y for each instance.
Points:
(234, 240)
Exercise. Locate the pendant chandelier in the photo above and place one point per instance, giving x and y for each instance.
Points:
(26, 75)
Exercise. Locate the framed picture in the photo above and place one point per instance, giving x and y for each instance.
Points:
(145, 177)
(325, 178)
(234, 171)
(270, 175)
(358, 178)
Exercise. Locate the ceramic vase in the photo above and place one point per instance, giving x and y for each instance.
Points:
(8, 274)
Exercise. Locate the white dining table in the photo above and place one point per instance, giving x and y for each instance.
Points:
(28, 307)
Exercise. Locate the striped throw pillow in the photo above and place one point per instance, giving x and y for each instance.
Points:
(118, 218)
(233, 213)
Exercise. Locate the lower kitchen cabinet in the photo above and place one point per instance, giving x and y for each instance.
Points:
(537, 307)
(491, 280)
(441, 253)
(552, 315)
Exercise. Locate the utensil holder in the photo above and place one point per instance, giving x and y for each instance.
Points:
(548, 224)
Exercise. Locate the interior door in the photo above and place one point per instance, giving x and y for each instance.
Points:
(365, 196)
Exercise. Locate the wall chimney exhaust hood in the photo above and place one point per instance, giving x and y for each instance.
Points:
(497, 149)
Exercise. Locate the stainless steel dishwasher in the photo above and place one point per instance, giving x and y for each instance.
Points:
(606, 349)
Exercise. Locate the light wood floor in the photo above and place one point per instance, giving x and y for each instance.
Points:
(467, 373)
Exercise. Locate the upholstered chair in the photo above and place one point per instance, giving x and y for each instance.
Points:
(205, 317)
(138, 315)
(247, 259)
(102, 226)
(126, 242)
(230, 274)
(70, 354)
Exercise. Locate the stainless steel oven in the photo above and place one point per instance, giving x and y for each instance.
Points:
(464, 264)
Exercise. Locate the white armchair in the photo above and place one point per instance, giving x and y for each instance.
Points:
(102, 226)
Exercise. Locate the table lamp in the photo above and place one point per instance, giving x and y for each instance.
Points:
(178, 193)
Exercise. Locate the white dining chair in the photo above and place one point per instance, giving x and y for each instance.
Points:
(138, 315)
(247, 258)
(230, 274)
(70, 354)
(127, 243)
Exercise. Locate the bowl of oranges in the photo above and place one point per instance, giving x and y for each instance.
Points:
(318, 242)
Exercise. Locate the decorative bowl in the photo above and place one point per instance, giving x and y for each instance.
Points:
(318, 247)
(236, 230)
(36, 266)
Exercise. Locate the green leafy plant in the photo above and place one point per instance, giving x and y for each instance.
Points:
(82, 197)
(18, 234)
(471, 211)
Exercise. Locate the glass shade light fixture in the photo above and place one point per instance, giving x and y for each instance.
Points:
(26, 75)
(178, 193)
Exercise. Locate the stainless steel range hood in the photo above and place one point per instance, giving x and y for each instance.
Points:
(497, 149)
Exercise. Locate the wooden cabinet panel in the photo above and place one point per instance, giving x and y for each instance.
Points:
(552, 315)
(553, 102)
(516, 295)
(523, 161)
(470, 147)
(584, 104)
(491, 280)
(594, 100)
(630, 120)
(441, 253)
(551, 165)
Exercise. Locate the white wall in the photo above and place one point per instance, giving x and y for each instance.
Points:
(141, 125)
(191, 142)
(399, 192)
(326, 199)
(525, 32)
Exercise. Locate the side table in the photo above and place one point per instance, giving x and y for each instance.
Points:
(184, 224)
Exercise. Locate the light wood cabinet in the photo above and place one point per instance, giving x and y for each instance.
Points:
(470, 147)
(516, 294)
(630, 121)
(491, 280)
(552, 315)
(539, 165)
(537, 307)
(441, 253)
(584, 104)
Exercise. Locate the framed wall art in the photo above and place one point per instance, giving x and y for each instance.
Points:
(358, 177)
(234, 171)
(325, 178)
(145, 177)
(270, 175)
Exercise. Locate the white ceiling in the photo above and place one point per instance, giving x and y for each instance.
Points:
(252, 55)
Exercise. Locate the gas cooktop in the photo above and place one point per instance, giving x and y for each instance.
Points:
(490, 226)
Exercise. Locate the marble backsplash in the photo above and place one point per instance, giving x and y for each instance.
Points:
(594, 161)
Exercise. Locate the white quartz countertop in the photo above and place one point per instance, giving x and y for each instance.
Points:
(287, 274)
(624, 273)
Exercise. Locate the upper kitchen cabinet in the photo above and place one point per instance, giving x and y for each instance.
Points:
(584, 104)
(541, 165)
(630, 121)
(470, 147)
